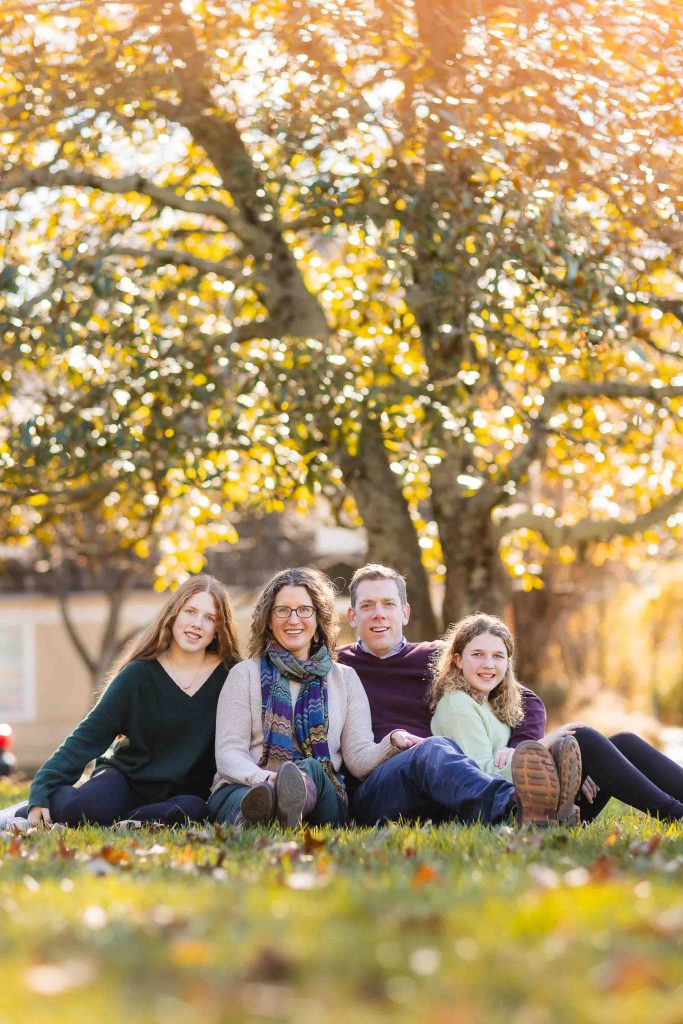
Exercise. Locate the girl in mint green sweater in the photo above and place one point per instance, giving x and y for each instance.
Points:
(477, 701)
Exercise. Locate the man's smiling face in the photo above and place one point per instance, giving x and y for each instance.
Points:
(378, 615)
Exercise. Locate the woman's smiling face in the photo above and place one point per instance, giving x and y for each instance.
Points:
(483, 662)
(294, 632)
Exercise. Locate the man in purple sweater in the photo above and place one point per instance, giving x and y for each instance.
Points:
(432, 779)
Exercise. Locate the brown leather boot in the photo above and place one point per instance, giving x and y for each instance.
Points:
(257, 806)
(290, 795)
(537, 786)
(567, 757)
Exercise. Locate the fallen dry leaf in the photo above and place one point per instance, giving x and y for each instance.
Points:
(199, 836)
(15, 848)
(53, 979)
(99, 867)
(645, 847)
(150, 851)
(187, 856)
(543, 876)
(614, 835)
(633, 973)
(113, 856)
(425, 875)
(304, 880)
(601, 869)
(286, 852)
(62, 852)
(311, 844)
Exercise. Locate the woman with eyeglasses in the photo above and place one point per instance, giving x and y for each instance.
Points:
(290, 714)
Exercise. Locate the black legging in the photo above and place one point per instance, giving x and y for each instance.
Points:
(109, 797)
(633, 771)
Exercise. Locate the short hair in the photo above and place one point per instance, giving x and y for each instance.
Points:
(375, 571)
(322, 593)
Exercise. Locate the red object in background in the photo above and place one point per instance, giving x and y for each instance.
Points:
(8, 762)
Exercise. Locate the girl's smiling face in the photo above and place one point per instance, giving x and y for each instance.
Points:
(195, 624)
(483, 662)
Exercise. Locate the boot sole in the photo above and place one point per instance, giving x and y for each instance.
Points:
(536, 783)
(567, 756)
(257, 806)
(290, 795)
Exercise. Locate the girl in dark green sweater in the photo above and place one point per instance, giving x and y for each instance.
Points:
(160, 708)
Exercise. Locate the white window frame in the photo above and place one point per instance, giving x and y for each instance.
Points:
(27, 712)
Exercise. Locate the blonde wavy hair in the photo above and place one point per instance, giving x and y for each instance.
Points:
(322, 594)
(506, 698)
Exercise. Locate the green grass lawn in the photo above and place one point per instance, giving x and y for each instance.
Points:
(449, 924)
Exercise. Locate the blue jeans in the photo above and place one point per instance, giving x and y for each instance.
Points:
(329, 809)
(109, 796)
(432, 780)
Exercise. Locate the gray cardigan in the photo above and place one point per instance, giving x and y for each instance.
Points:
(239, 725)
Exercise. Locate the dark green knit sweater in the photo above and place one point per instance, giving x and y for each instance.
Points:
(169, 736)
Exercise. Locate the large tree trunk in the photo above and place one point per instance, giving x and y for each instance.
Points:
(391, 535)
(475, 577)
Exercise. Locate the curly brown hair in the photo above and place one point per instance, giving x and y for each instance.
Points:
(322, 594)
(506, 698)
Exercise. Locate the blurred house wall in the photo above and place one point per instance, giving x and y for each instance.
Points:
(45, 689)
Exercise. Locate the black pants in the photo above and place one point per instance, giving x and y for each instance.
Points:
(109, 797)
(633, 771)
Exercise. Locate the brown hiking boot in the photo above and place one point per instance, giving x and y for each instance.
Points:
(290, 795)
(567, 757)
(257, 806)
(536, 783)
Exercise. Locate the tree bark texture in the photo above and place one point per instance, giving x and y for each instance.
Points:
(391, 535)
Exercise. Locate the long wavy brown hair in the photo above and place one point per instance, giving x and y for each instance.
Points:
(322, 594)
(157, 637)
(506, 698)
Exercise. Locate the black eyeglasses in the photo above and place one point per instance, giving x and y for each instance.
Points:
(283, 611)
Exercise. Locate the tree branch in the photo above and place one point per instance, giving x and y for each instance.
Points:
(588, 530)
(62, 598)
(44, 177)
(267, 328)
(111, 641)
(161, 256)
(539, 427)
(95, 490)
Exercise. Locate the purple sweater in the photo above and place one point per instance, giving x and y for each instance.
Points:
(397, 689)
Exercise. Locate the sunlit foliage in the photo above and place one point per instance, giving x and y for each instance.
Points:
(423, 257)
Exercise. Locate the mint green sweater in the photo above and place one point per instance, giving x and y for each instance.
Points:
(475, 729)
(169, 736)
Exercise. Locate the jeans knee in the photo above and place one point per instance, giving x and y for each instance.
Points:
(224, 804)
(193, 806)
(436, 746)
(312, 767)
(433, 756)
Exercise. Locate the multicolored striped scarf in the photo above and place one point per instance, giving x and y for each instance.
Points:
(292, 734)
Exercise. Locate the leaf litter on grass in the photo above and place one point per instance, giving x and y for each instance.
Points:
(401, 924)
